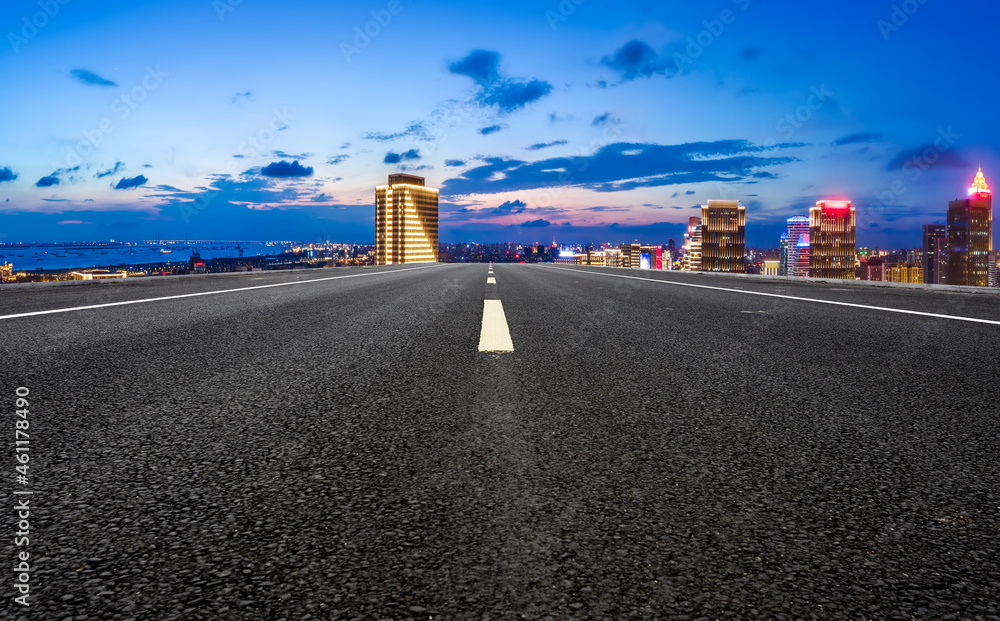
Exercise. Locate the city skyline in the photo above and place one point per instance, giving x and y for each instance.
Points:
(599, 124)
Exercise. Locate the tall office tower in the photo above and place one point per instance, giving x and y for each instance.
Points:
(692, 246)
(832, 251)
(406, 221)
(970, 236)
(935, 258)
(797, 227)
(723, 237)
(802, 255)
(631, 255)
(783, 263)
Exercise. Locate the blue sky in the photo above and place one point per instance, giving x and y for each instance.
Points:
(576, 120)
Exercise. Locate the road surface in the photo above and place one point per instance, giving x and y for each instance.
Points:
(358, 444)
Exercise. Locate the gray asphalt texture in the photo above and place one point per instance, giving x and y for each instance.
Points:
(341, 450)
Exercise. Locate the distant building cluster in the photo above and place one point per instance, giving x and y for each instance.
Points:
(957, 253)
(98, 274)
(822, 244)
(302, 256)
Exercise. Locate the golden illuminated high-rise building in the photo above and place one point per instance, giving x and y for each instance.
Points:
(832, 251)
(632, 255)
(723, 237)
(970, 236)
(406, 221)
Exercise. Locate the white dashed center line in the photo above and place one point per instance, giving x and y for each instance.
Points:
(495, 335)
(491, 281)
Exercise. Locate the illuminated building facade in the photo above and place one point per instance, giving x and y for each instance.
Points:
(723, 237)
(935, 259)
(970, 236)
(97, 275)
(692, 246)
(993, 271)
(613, 257)
(568, 257)
(798, 227)
(872, 268)
(832, 249)
(652, 257)
(783, 264)
(631, 255)
(406, 221)
(6, 272)
(802, 254)
(903, 272)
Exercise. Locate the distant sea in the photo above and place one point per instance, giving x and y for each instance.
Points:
(82, 256)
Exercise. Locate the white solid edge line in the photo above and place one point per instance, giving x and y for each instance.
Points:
(195, 295)
(495, 335)
(790, 297)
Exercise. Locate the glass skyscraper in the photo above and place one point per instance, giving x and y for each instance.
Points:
(798, 226)
(935, 259)
(802, 255)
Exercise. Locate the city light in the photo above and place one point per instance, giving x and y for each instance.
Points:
(839, 204)
(979, 184)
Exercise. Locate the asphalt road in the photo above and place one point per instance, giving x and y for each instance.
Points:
(342, 449)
